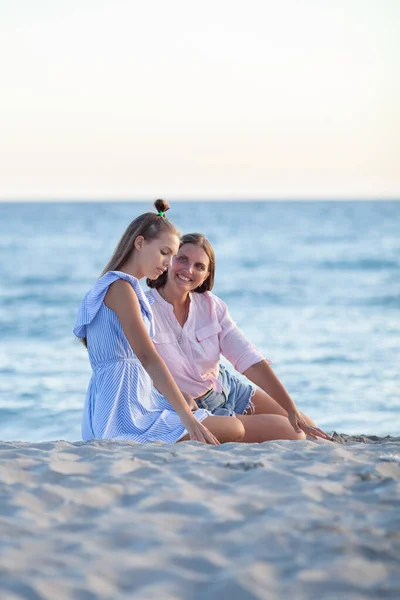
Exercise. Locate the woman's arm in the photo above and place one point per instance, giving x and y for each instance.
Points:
(122, 299)
(233, 344)
(246, 359)
(262, 375)
(250, 362)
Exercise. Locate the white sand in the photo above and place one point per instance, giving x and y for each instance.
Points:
(290, 520)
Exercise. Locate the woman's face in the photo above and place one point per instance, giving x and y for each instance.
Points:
(189, 268)
(156, 255)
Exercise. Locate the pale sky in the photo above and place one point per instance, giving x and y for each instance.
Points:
(209, 99)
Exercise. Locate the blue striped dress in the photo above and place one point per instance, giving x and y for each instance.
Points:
(121, 401)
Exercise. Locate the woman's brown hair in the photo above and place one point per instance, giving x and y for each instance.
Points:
(199, 240)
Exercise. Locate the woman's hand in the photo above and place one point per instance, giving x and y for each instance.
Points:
(299, 424)
(198, 432)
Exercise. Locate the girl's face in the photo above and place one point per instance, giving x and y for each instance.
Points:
(190, 268)
(156, 255)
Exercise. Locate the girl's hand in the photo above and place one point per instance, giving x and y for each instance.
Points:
(198, 432)
(299, 424)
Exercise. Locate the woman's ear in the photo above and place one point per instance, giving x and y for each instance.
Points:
(139, 242)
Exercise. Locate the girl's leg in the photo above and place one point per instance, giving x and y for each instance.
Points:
(225, 429)
(263, 427)
(265, 405)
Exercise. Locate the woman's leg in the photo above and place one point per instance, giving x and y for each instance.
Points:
(225, 429)
(266, 427)
(265, 405)
(250, 429)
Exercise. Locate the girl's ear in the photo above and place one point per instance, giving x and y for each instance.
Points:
(139, 241)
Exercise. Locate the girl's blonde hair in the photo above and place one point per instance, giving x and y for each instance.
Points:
(150, 226)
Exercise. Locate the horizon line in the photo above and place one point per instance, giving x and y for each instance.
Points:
(106, 200)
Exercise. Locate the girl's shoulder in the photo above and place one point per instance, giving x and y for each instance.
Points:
(108, 278)
(151, 295)
(111, 276)
(94, 298)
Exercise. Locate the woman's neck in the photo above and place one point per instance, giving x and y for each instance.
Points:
(173, 296)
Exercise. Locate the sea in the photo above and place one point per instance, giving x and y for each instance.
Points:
(315, 285)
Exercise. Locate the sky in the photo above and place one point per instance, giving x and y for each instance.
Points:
(212, 99)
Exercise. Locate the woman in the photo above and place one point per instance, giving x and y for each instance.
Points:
(193, 328)
(115, 323)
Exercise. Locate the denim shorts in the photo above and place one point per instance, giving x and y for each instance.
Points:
(235, 398)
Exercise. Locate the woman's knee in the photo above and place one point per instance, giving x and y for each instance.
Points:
(295, 435)
(264, 428)
(265, 404)
(286, 430)
(225, 429)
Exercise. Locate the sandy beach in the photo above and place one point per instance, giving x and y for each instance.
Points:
(278, 520)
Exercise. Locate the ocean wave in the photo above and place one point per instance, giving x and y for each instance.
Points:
(363, 264)
(382, 301)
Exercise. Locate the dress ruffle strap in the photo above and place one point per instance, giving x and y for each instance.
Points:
(94, 298)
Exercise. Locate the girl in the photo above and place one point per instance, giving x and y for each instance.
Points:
(194, 328)
(115, 323)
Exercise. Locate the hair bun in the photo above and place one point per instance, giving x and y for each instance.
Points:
(161, 205)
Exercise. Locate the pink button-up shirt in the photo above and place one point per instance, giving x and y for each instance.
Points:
(192, 352)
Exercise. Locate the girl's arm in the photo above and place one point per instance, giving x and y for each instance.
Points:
(122, 299)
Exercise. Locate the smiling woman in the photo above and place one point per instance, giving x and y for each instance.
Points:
(193, 328)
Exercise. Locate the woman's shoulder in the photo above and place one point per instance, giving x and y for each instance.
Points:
(213, 299)
(210, 303)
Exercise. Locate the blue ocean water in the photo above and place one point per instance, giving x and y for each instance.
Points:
(315, 285)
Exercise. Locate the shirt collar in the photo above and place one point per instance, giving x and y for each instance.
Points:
(155, 294)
